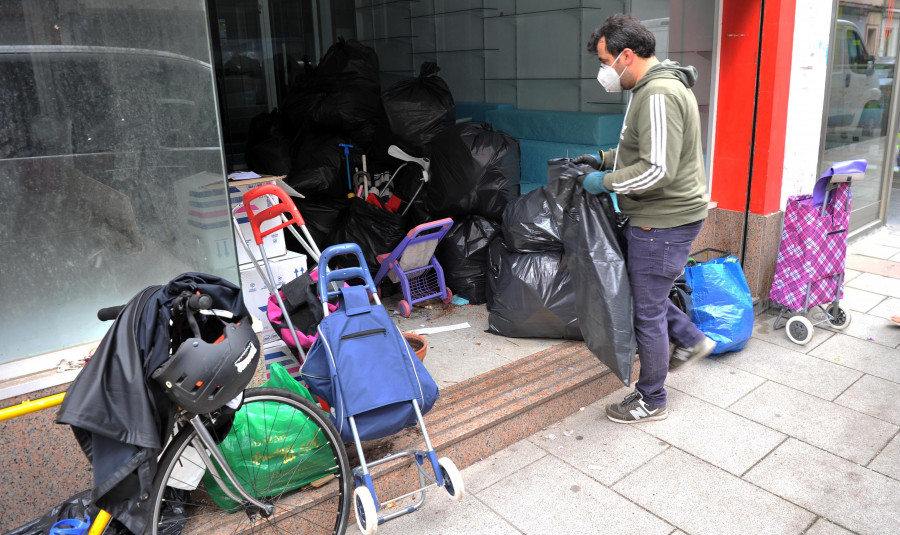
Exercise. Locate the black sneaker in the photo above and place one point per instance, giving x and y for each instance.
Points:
(685, 356)
(633, 409)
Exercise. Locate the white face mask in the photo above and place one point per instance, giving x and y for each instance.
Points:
(609, 78)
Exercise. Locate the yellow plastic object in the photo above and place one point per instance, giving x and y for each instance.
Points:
(99, 524)
(34, 405)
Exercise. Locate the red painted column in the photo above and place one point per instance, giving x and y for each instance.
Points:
(739, 57)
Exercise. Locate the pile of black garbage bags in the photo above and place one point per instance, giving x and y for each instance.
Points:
(557, 270)
(474, 170)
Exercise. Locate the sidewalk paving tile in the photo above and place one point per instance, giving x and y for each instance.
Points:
(887, 308)
(862, 355)
(871, 328)
(873, 396)
(763, 330)
(876, 266)
(875, 250)
(824, 527)
(441, 515)
(701, 499)
(604, 450)
(554, 497)
(715, 435)
(790, 368)
(839, 430)
(884, 238)
(486, 472)
(714, 381)
(841, 491)
(850, 274)
(878, 284)
(860, 300)
(888, 461)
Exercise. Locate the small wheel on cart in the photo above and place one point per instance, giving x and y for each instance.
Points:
(366, 514)
(453, 482)
(404, 308)
(449, 297)
(799, 330)
(840, 318)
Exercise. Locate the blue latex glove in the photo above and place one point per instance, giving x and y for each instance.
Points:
(593, 183)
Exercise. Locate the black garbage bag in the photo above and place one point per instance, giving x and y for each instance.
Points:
(474, 171)
(532, 223)
(348, 64)
(419, 108)
(463, 255)
(318, 167)
(374, 229)
(530, 295)
(321, 216)
(600, 279)
(302, 97)
(268, 147)
(78, 507)
(354, 112)
(680, 295)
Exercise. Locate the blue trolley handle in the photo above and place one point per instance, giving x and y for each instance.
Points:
(326, 275)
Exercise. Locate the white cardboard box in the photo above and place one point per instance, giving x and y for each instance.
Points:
(278, 352)
(206, 216)
(256, 295)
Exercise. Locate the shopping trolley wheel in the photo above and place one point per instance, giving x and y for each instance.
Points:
(366, 514)
(840, 318)
(404, 308)
(449, 297)
(453, 482)
(799, 330)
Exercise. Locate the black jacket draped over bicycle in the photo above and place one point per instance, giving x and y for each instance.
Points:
(121, 417)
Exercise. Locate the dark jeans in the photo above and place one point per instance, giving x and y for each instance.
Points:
(655, 258)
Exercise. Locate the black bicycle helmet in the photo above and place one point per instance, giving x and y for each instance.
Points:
(203, 376)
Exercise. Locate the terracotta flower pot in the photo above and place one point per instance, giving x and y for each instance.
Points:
(418, 344)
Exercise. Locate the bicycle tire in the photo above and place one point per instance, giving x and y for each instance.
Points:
(313, 510)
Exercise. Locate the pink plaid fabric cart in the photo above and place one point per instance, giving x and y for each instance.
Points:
(810, 268)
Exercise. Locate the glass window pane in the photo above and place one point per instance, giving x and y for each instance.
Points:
(111, 175)
(861, 87)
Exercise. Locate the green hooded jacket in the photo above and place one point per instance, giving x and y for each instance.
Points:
(659, 176)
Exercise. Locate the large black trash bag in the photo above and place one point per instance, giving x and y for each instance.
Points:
(374, 229)
(302, 97)
(530, 295)
(600, 279)
(463, 256)
(354, 112)
(321, 216)
(348, 64)
(318, 167)
(268, 147)
(474, 171)
(532, 223)
(419, 108)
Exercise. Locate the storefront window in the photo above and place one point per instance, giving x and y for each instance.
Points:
(111, 171)
(858, 122)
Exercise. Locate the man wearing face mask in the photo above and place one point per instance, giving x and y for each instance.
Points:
(658, 175)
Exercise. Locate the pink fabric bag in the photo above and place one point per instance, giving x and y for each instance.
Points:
(813, 250)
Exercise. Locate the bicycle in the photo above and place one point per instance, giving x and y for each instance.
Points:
(303, 487)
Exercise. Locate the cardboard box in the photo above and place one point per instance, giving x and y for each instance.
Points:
(205, 206)
(256, 295)
(278, 352)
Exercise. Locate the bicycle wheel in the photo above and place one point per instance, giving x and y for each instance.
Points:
(289, 454)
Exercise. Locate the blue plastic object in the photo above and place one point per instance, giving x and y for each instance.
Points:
(347, 159)
(723, 306)
(71, 526)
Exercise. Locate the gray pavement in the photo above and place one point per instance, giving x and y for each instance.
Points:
(775, 439)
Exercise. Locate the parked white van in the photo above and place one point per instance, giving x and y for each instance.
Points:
(856, 103)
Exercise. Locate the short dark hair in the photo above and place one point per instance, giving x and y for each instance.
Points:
(621, 32)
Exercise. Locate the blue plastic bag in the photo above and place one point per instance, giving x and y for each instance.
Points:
(723, 306)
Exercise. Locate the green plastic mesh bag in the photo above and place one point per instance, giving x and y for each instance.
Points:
(273, 448)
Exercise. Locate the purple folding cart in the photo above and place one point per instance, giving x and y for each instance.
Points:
(809, 272)
(413, 265)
